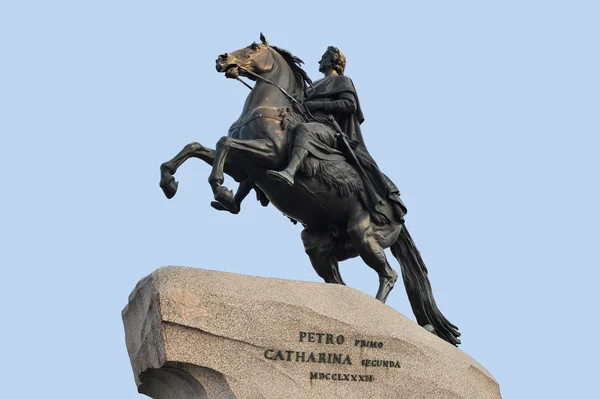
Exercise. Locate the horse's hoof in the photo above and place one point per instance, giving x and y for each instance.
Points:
(169, 186)
(226, 199)
(430, 328)
(283, 177)
(219, 207)
(386, 285)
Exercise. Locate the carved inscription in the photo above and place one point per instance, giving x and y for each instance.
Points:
(368, 344)
(318, 338)
(342, 377)
(308, 357)
(333, 355)
(380, 363)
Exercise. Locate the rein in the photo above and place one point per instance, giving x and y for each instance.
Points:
(288, 95)
(242, 82)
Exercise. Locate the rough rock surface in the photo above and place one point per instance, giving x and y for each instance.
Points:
(194, 333)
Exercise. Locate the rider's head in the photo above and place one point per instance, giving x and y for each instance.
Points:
(333, 59)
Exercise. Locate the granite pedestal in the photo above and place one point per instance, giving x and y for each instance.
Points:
(194, 333)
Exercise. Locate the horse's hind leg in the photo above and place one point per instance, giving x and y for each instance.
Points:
(319, 247)
(366, 239)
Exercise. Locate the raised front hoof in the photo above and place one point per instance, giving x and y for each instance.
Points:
(169, 186)
(225, 197)
(283, 177)
(219, 207)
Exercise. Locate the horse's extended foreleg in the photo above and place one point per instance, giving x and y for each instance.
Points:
(242, 192)
(192, 150)
(259, 151)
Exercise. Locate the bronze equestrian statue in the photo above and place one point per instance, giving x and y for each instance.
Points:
(299, 146)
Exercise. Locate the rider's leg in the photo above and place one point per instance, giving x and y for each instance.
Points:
(287, 175)
(306, 136)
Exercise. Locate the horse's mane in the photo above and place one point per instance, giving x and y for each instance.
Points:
(302, 79)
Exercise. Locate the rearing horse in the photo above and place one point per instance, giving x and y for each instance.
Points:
(326, 196)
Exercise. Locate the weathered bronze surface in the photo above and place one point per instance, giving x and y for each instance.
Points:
(300, 147)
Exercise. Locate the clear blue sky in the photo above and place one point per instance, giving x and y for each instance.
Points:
(485, 114)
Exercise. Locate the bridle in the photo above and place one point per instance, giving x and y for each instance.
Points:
(257, 76)
(288, 95)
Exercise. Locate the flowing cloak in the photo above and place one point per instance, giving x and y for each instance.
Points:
(336, 95)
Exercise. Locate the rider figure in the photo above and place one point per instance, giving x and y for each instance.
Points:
(335, 95)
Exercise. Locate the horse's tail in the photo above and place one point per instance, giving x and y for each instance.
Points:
(418, 288)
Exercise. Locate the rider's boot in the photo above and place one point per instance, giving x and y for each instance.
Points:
(287, 175)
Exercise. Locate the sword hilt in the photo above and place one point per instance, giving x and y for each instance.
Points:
(334, 124)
